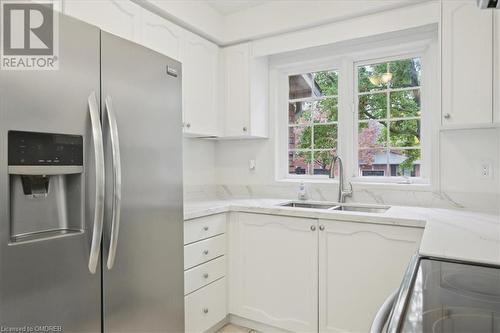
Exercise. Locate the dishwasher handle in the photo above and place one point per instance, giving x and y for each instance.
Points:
(383, 313)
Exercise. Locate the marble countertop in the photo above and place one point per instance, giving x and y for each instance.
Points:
(452, 234)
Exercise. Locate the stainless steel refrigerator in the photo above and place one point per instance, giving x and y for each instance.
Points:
(92, 150)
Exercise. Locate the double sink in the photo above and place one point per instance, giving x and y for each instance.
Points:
(336, 206)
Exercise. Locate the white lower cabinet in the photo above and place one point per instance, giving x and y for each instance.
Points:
(202, 275)
(273, 270)
(275, 263)
(360, 264)
(205, 301)
(203, 251)
(205, 307)
(204, 227)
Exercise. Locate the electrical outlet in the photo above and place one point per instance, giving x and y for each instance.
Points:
(485, 170)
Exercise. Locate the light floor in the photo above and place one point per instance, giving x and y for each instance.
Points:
(230, 328)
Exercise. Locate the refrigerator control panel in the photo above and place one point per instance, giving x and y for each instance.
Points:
(33, 148)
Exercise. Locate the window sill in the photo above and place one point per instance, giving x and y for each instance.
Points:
(360, 184)
(393, 186)
(308, 180)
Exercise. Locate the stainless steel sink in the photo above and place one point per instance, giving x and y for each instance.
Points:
(336, 206)
(363, 209)
(312, 205)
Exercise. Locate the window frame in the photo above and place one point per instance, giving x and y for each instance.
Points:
(426, 47)
(424, 177)
(312, 124)
(332, 64)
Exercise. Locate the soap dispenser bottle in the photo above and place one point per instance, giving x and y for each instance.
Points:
(302, 191)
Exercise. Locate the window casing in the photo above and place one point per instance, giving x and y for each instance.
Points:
(312, 122)
(348, 138)
(388, 100)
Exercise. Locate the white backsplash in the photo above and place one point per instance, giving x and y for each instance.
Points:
(487, 202)
(200, 192)
(219, 170)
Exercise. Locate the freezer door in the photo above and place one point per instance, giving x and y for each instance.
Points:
(143, 290)
(44, 274)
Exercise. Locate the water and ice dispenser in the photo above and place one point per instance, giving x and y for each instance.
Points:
(45, 179)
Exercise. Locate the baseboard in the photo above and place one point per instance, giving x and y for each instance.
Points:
(255, 325)
(218, 326)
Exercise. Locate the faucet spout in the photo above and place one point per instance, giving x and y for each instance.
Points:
(343, 193)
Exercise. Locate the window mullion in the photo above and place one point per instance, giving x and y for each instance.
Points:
(351, 91)
(388, 110)
(381, 91)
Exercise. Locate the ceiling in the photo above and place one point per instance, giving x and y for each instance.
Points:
(226, 7)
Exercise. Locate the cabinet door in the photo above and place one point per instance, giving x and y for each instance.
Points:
(467, 63)
(161, 35)
(200, 73)
(360, 264)
(119, 17)
(237, 90)
(274, 270)
(205, 307)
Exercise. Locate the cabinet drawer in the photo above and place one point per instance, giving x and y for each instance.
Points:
(204, 227)
(205, 307)
(205, 250)
(204, 274)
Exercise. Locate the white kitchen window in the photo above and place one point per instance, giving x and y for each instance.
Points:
(378, 109)
(312, 122)
(388, 100)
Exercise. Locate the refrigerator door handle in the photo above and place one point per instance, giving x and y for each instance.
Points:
(99, 175)
(117, 182)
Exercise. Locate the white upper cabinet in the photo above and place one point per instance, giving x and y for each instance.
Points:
(119, 17)
(200, 65)
(360, 264)
(161, 35)
(467, 63)
(245, 93)
(273, 270)
(199, 57)
(237, 90)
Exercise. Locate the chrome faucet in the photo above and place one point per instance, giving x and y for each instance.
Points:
(343, 193)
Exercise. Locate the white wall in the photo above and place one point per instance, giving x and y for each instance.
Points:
(199, 169)
(457, 180)
(268, 19)
(277, 17)
(194, 15)
(462, 153)
(418, 15)
(457, 184)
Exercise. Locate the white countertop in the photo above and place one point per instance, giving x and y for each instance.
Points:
(452, 234)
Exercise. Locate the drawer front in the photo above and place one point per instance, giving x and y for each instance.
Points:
(204, 274)
(205, 307)
(204, 227)
(203, 251)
